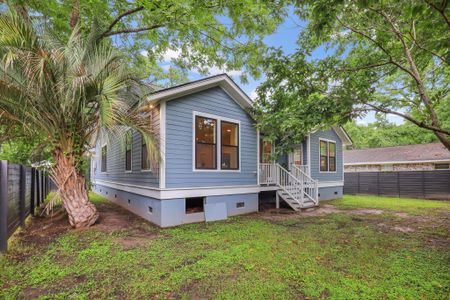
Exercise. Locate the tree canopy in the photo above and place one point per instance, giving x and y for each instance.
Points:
(223, 34)
(391, 57)
(382, 133)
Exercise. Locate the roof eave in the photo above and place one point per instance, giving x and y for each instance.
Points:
(223, 81)
(343, 135)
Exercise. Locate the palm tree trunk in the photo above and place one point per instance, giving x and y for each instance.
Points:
(72, 190)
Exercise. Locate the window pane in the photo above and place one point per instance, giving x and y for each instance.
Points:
(205, 137)
(332, 149)
(128, 140)
(297, 156)
(144, 158)
(230, 158)
(266, 151)
(205, 130)
(323, 163)
(128, 160)
(103, 162)
(205, 156)
(332, 164)
(323, 148)
(229, 134)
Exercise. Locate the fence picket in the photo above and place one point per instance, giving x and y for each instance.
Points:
(13, 214)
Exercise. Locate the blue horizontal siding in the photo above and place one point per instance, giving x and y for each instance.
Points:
(179, 137)
(315, 158)
(116, 160)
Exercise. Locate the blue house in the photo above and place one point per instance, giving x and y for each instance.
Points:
(214, 162)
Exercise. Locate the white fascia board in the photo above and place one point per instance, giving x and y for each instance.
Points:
(174, 193)
(222, 81)
(322, 184)
(346, 140)
(397, 162)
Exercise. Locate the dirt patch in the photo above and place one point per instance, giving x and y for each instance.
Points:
(389, 227)
(41, 231)
(281, 214)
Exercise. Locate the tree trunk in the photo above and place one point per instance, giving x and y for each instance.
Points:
(72, 190)
(443, 138)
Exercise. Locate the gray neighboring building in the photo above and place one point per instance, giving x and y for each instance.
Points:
(420, 157)
(214, 162)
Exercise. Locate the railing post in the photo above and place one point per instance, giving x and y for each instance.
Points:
(3, 206)
(22, 188)
(33, 190)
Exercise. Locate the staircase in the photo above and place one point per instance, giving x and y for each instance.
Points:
(296, 188)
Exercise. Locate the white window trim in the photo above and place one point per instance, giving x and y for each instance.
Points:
(328, 155)
(218, 142)
(101, 157)
(131, 149)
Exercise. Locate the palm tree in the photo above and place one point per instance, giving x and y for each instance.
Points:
(70, 93)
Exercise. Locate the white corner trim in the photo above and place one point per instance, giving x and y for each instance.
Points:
(257, 155)
(309, 155)
(162, 144)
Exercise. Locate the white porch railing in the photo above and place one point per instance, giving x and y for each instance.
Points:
(310, 186)
(267, 173)
(295, 185)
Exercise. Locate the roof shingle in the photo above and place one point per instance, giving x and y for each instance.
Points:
(419, 152)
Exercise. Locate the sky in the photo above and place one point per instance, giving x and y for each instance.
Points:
(285, 37)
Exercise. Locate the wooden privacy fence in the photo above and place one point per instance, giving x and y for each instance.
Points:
(412, 184)
(22, 189)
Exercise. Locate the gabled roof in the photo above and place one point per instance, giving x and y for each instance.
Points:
(343, 135)
(434, 152)
(221, 80)
(230, 87)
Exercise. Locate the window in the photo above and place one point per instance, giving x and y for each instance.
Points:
(128, 143)
(441, 166)
(265, 152)
(103, 162)
(323, 156)
(332, 156)
(205, 143)
(145, 163)
(229, 152)
(327, 156)
(194, 205)
(297, 156)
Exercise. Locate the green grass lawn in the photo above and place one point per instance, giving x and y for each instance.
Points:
(412, 206)
(333, 256)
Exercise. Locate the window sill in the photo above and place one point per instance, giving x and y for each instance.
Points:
(216, 171)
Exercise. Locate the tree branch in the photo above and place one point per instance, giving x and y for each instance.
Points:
(117, 20)
(440, 10)
(382, 48)
(407, 117)
(131, 30)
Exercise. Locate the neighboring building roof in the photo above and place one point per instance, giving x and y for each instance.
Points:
(434, 152)
(221, 80)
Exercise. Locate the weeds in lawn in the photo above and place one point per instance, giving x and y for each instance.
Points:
(336, 256)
